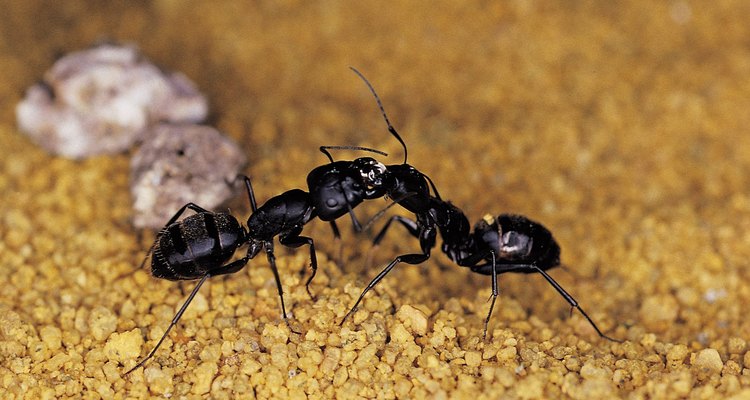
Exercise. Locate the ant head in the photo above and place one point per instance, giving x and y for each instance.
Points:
(373, 172)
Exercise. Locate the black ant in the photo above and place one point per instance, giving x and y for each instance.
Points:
(198, 246)
(508, 243)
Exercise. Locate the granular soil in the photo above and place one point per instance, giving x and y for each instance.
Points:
(622, 127)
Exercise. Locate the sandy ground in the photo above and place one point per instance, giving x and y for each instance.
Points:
(623, 128)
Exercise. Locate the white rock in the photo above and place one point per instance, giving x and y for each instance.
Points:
(100, 100)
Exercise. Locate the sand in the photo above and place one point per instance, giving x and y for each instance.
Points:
(621, 127)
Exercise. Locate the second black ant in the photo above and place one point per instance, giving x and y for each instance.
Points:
(508, 243)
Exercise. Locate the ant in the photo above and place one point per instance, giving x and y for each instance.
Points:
(508, 243)
(200, 245)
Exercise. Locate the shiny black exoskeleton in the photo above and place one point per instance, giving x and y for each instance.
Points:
(508, 243)
(340, 186)
(200, 245)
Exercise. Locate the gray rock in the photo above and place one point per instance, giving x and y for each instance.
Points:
(100, 100)
(178, 164)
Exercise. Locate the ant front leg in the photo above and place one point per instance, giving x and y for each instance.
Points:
(295, 241)
(355, 222)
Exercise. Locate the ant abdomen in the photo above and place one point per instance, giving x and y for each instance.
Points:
(517, 242)
(193, 247)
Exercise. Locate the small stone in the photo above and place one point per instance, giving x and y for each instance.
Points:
(102, 322)
(179, 164)
(204, 375)
(160, 380)
(507, 354)
(708, 360)
(736, 345)
(676, 355)
(473, 358)
(99, 101)
(124, 346)
(658, 312)
(590, 370)
(52, 337)
(400, 335)
(413, 318)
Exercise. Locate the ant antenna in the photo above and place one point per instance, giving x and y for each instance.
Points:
(324, 150)
(391, 129)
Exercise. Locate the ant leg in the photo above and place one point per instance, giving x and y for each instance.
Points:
(171, 325)
(407, 258)
(410, 226)
(196, 208)
(297, 241)
(355, 221)
(339, 244)
(471, 262)
(231, 267)
(573, 303)
(192, 206)
(494, 294)
(272, 261)
(335, 229)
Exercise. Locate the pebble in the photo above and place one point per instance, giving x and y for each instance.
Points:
(413, 318)
(708, 360)
(100, 100)
(178, 164)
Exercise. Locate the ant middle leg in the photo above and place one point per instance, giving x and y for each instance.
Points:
(411, 227)
(470, 262)
(272, 262)
(295, 241)
(412, 259)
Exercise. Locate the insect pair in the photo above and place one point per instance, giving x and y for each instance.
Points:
(201, 245)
